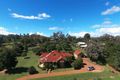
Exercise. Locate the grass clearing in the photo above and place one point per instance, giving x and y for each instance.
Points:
(105, 75)
(85, 76)
(23, 64)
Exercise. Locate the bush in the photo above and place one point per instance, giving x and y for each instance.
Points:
(49, 66)
(32, 70)
(24, 54)
(8, 59)
(77, 64)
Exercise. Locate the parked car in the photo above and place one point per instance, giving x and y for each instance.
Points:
(91, 68)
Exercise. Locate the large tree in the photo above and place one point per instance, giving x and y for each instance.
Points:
(87, 37)
(8, 59)
(95, 51)
(113, 51)
(78, 63)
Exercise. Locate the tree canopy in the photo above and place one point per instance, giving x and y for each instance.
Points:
(8, 59)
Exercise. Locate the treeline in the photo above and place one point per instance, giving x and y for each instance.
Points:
(30, 40)
(105, 50)
(58, 41)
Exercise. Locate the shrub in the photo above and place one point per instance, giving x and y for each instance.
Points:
(24, 54)
(32, 70)
(49, 66)
(77, 64)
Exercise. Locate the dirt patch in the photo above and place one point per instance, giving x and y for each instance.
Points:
(3, 71)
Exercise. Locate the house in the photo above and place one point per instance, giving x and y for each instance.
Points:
(53, 57)
(76, 53)
(82, 44)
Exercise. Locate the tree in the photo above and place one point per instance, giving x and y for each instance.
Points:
(113, 51)
(32, 70)
(25, 50)
(1, 40)
(49, 66)
(87, 37)
(78, 63)
(58, 36)
(95, 51)
(18, 48)
(68, 61)
(8, 59)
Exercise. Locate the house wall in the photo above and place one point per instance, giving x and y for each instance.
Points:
(75, 56)
(41, 65)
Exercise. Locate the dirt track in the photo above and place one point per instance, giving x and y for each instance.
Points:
(98, 68)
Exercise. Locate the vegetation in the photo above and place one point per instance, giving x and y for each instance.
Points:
(105, 50)
(105, 75)
(78, 63)
(49, 66)
(113, 51)
(8, 59)
(18, 52)
(22, 67)
(32, 70)
(87, 37)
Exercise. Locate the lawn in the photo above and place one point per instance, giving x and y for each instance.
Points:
(84, 76)
(22, 66)
(105, 75)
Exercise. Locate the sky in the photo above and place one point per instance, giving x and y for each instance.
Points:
(75, 17)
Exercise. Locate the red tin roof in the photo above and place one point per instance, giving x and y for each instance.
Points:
(77, 52)
(54, 56)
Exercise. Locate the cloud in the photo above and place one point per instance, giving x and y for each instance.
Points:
(55, 28)
(112, 30)
(112, 10)
(71, 20)
(38, 17)
(9, 9)
(107, 27)
(38, 33)
(106, 23)
(96, 26)
(81, 34)
(107, 3)
(115, 31)
(4, 31)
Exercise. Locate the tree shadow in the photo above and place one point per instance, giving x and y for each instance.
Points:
(17, 70)
(27, 57)
(84, 64)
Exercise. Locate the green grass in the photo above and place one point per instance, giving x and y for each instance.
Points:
(105, 75)
(25, 63)
(33, 61)
(83, 76)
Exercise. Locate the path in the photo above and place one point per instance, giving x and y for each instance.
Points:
(98, 68)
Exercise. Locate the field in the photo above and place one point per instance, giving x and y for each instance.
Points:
(22, 66)
(105, 75)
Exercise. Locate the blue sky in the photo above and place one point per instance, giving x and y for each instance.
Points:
(75, 17)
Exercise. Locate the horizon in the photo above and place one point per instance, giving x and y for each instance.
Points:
(75, 17)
